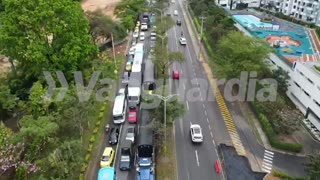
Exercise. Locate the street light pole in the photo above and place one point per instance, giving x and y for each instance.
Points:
(165, 99)
(161, 12)
(162, 38)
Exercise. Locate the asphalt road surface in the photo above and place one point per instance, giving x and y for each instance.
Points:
(194, 161)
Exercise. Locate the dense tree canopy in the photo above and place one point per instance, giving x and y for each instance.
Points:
(46, 35)
(128, 11)
(237, 53)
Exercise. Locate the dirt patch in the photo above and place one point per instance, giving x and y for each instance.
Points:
(4, 65)
(286, 138)
(120, 50)
(106, 6)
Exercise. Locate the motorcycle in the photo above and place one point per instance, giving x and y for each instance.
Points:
(107, 127)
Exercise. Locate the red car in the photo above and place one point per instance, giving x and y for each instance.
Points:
(175, 74)
(132, 116)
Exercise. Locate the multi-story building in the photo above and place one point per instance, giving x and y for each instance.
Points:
(304, 91)
(303, 10)
(235, 3)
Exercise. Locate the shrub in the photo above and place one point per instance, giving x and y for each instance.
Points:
(285, 176)
(102, 108)
(98, 123)
(90, 147)
(101, 115)
(84, 167)
(92, 139)
(87, 158)
(266, 126)
(95, 130)
(317, 68)
(81, 176)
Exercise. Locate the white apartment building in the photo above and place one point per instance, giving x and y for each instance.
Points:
(303, 10)
(304, 91)
(234, 3)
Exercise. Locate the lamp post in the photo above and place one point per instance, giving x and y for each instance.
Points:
(161, 12)
(162, 38)
(165, 99)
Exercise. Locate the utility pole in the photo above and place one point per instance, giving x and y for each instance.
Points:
(201, 34)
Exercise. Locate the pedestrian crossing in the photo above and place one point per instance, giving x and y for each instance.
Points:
(267, 161)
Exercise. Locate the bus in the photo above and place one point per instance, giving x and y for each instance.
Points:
(138, 58)
(119, 109)
(149, 84)
(139, 48)
(107, 173)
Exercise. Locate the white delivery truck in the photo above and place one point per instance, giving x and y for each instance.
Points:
(134, 89)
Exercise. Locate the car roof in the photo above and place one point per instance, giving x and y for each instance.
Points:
(176, 71)
(130, 129)
(107, 151)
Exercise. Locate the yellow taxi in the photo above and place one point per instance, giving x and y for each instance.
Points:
(107, 157)
(138, 23)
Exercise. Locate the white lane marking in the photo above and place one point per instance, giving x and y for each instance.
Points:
(205, 112)
(194, 73)
(203, 107)
(207, 120)
(190, 123)
(214, 144)
(269, 152)
(267, 161)
(197, 157)
(181, 71)
(197, 81)
(211, 134)
(209, 127)
(115, 155)
(184, 86)
(187, 105)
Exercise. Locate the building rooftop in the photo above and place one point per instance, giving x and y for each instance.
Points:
(314, 67)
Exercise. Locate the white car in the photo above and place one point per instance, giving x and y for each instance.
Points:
(175, 12)
(183, 41)
(136, 34)
(130, 134)
(172, 1)
(141, 36)
(131, 51)
(153, 36)
(144, 27)
(196, 133)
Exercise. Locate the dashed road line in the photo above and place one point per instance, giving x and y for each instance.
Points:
(236, 141)
(209, 127)
(267, 161)
(205, 112)
(211, 134)
(197, 157)
(187, 105)
(203, 106)
(207, 120)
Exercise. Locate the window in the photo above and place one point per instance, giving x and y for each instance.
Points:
(300, 71)
(297, 84)
(310, 81)
(304, 4)
(302, 10)
(286, 5)
(294, 7)
(306, 93)
(317, 103)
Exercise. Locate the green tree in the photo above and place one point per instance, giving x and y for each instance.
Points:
(50, 35)
(282, 78)
(163, 59)
(236, 53)
(131, 8)
(313, 166)
(102, 26)
(38, 102)
(37, 134)
(64, 161)
(8, 101)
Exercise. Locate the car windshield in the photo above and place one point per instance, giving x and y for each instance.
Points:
(105, 158)
(117, 117)
(132, 114)
(125, 158)
(197, 130)
(133, 98)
